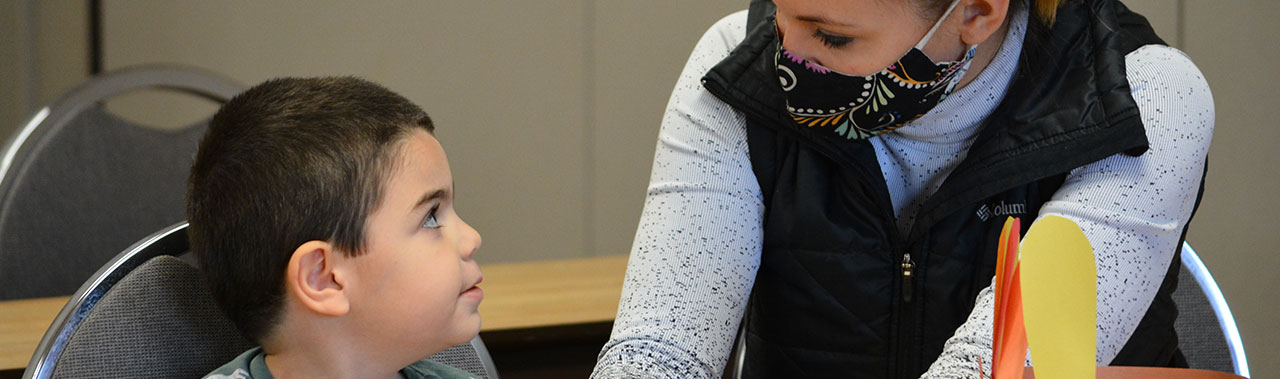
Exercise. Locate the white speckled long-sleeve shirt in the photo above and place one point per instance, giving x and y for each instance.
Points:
(698, 245)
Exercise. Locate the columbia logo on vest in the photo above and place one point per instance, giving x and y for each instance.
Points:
(1002, 209)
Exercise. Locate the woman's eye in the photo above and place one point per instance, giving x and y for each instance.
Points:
(832, 41)
(430, 221)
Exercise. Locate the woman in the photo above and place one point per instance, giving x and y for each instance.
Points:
(852, 186)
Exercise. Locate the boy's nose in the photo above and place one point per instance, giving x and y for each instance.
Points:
(470, 241)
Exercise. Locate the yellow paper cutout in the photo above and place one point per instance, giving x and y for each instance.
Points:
(1059, 299)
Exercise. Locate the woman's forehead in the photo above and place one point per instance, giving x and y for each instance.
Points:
(849, 13)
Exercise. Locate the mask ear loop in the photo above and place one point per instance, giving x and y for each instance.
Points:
(968, 54)
(937, 24)
(920, 46)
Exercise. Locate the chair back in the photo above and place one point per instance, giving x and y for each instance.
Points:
(144, 314)
(1207, 333)
(148, 314)
(472, 357)
(75, 169)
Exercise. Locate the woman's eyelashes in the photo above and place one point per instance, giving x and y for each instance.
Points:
(430, 221)
(831, 40)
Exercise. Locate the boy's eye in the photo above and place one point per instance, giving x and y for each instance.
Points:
(832, 41)
(430, 221)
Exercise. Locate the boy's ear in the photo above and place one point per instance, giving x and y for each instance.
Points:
(316, 280)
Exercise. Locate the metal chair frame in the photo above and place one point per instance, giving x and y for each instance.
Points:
(1226, 321)
(62, 111)
(171, 239)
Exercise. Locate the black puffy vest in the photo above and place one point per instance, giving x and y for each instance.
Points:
(840, 291)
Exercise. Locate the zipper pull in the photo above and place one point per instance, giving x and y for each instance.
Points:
(907, 267)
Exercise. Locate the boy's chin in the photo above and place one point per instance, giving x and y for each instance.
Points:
(466, 329)
(475, 328)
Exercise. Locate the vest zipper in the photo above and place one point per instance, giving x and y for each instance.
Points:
(902, 308)
(908, 267)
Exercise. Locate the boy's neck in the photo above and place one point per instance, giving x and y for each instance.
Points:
(293, 364)
(322, 351)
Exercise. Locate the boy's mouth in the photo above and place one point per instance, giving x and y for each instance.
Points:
(474, 291)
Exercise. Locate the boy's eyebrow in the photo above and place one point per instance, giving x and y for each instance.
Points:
(437, 194)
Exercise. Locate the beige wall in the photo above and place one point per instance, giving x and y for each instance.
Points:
(15, 55)
(549, 110)
(43, 52)
(1234, 43)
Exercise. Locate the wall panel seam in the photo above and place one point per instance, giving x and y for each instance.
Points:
(589, 228)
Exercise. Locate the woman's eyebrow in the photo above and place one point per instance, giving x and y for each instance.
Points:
(821, 20)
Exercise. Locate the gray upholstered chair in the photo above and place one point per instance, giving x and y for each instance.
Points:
(472, 357)
(1207, 333)
(78, 184)
(148, 314)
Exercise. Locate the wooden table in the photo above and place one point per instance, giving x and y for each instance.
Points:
(551, 293)
(22, 324)
(516, 296)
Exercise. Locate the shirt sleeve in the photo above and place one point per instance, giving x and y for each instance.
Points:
(1132, 209)
(697, 247)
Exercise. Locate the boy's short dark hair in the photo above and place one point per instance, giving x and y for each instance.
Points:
(288, 161)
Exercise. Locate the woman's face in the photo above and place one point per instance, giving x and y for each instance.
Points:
(862, 37)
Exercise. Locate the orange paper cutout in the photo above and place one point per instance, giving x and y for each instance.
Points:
(1009, 338)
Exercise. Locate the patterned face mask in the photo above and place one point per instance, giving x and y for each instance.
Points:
(860, 107)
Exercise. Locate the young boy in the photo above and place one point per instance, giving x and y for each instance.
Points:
(321, 212)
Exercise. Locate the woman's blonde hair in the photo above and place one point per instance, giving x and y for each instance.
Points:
(1047, 10)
